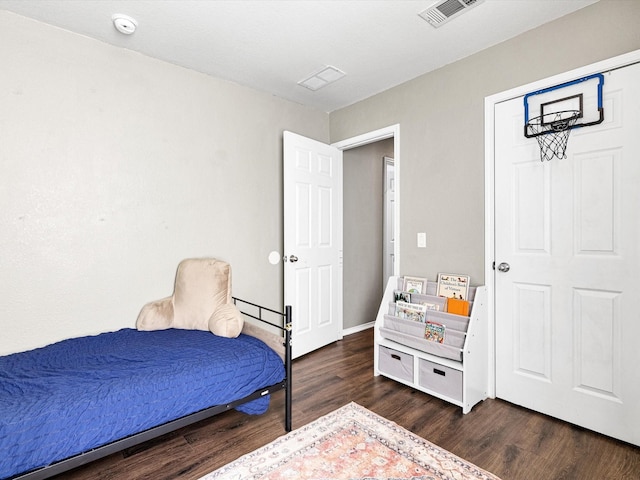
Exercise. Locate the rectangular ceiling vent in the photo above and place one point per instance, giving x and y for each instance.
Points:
(445, 10)
(322, 78)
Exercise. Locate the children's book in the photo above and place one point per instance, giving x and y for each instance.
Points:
(431, 301)
(432, 306)
(453, 286)
(400, 296)
(415, 284)
(457, 306)
(434, 332)
(411, 311)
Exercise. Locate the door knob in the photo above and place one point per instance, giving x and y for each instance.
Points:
(292, 258)
(504, 267)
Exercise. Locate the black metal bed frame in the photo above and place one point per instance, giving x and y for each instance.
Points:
(138, 438)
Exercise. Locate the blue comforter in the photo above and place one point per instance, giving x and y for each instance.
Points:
(78, 394)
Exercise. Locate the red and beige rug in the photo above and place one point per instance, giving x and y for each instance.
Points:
(350, 443)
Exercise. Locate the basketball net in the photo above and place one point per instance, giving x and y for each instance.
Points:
(552, 132)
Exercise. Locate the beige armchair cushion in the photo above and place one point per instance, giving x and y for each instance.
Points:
(202, 286)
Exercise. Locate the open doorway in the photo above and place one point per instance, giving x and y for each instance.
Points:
(364, 167)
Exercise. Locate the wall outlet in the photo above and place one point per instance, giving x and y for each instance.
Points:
(422, 240)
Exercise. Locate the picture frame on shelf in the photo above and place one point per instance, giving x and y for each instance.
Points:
(415, 285)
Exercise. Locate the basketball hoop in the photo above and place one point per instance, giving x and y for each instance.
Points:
(552, 132)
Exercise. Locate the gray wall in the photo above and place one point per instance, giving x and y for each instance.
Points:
(441, 117)
(362, 236)
(115, 167)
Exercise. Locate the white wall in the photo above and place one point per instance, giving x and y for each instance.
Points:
(441, 115)
(114, 167)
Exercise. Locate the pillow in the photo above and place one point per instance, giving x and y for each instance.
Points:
(226, 321)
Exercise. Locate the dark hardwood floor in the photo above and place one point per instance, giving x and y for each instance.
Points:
(511, 442)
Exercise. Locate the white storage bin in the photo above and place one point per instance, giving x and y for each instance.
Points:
(441, 379)
(396, 363)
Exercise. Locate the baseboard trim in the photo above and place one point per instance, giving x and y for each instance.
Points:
(357, 328)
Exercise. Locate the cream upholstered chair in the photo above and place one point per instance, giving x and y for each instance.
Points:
(201, 300)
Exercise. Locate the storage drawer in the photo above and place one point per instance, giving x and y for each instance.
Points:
(395, 363)
(443, 380)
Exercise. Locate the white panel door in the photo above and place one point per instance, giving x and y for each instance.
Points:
(313, 241)
(567, 323)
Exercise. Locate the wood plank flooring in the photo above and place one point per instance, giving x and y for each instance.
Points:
(512, 442)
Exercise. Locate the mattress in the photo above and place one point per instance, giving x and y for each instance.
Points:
(82, 393)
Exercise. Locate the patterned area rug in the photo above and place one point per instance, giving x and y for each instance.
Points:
(350, 443)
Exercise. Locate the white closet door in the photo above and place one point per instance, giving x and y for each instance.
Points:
(567, 321)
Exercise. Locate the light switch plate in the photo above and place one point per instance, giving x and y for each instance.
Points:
(422, 240)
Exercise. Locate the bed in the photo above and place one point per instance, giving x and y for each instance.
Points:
(80, 399)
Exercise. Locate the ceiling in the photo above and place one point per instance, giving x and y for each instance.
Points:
(272, 45)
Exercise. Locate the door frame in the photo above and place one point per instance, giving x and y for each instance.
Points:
(392, 131)
(489, 185)
(386, 162)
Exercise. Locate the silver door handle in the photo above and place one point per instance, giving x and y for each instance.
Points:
(293, 258)
(504, 267)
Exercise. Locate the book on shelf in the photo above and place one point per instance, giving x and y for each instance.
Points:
(400, 296)
(457, 306)
(431, 301)
(411, 311)
(453, 286)
(431, 306)
(415, 285)
(434, 332)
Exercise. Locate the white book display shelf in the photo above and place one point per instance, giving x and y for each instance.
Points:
(455, 370)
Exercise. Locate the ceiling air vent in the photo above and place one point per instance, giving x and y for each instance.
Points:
(446, 10)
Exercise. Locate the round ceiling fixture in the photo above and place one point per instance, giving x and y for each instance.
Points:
(124, 23)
